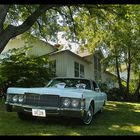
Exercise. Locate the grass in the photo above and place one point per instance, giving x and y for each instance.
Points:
(118, 118)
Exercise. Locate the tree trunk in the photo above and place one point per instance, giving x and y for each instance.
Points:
(128, 71)
(118, 74)
(138, 88)
(4, 38)
(137, 93)
(3, 12)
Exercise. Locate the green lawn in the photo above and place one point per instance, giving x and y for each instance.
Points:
(118, 118)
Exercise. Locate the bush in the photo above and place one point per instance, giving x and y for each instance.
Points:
(115, 94)
(103, 87)
(23, 70)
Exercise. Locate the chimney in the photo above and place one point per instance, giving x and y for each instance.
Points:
(56, 46)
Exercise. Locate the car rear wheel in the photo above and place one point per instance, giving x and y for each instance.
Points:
(88, 116)
(25, 116)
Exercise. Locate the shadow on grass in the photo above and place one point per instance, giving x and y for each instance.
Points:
(122, 118)
(118, 118)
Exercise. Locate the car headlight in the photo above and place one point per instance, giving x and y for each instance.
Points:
(75, 103)
(15, 98)
(66, 102)
(21, 98)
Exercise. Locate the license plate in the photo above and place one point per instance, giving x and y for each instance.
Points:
(39, 112)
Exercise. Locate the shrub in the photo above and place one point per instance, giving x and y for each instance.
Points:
(103, 87)
(23, 70)
(115, 94)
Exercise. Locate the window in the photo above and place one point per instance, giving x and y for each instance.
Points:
(94, 85)
(97, 68)
(95, 63)
(81, 70)
(78, 70)
(69, 82)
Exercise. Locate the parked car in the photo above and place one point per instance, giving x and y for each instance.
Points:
(72, 97)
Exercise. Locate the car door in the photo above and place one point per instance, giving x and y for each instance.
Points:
(99, 95)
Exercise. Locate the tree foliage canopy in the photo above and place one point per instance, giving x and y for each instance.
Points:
(45, 21)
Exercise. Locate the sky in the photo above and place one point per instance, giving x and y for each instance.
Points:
(64, 42)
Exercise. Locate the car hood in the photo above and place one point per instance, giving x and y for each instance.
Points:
(63, 92)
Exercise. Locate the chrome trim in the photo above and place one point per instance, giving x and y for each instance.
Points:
(29, 106)
(71, 109)
(26, 110)
(46, 108)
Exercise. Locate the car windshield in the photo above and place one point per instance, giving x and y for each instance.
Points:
(70, 83)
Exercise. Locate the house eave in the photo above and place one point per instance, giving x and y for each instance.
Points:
(71, 53)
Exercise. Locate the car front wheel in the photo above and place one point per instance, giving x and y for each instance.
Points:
(88, 116)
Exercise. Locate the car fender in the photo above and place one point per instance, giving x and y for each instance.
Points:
(88, 102)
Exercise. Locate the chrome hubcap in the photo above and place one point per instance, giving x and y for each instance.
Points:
(88, 116)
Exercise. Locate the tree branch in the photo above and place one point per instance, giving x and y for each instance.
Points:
(12, 31)
(74, 28)
(39, 27)
(3, 12)
(60, 12)
(16, 30)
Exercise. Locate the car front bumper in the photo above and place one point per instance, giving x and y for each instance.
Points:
(50, 111)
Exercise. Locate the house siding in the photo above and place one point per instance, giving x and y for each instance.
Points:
(65, 65)
(70, 66)
(110, 80)
(90, 68)
(61, 63)
(64, 59)
(100, 78)
(14, 43)
(39, 48)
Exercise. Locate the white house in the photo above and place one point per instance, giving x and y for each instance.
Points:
(65, 62)
(38, 47)
(71, 64)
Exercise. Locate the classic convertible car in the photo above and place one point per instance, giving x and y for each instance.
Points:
(72, 97)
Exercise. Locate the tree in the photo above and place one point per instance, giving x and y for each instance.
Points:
(27, 71)
(8, 29)
(102, 28)
(89, 25)
(45, 21)
(124, 37)
(119, 30)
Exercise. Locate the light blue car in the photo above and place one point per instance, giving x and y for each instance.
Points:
(71, 97)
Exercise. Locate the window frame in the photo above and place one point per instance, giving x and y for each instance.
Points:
(79, 69)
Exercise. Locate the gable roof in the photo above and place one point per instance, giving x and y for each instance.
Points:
(23, 40)
(85, 53)
(71, 53)
(47, 43)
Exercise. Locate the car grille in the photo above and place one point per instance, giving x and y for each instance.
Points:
(41, 100)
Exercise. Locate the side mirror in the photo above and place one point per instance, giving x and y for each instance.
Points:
(97, 89)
